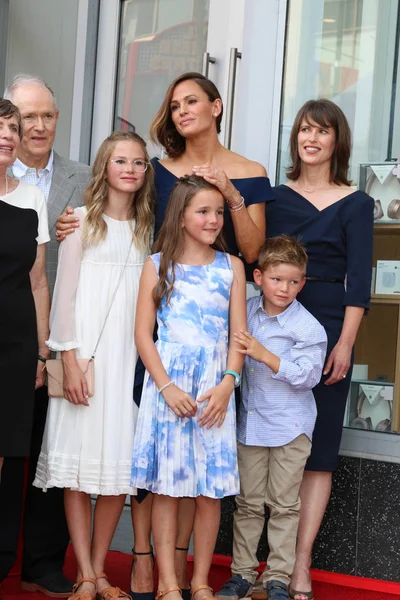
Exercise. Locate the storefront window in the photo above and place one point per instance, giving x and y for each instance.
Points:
(159, 40)
(348, 51)
(41, 41)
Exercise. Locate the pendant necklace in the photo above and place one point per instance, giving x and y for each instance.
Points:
(312, 191)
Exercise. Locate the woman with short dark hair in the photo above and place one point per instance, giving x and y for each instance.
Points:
(336, 225)
(24, 294)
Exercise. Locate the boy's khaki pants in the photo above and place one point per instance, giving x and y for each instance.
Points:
(272, 477)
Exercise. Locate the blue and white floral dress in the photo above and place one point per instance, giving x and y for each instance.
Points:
(175, 456)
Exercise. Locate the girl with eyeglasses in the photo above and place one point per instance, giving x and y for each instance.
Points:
(88, 441)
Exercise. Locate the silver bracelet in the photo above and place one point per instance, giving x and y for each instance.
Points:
(163, 387)
(237, 206)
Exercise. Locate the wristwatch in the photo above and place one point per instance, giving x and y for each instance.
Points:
(235, 375)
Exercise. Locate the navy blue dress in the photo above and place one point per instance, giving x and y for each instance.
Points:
(339, 242)
(253, 189)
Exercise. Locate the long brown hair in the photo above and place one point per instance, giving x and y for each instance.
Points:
(326, 114)
(96, 195)
(162, 128)
(170, 241)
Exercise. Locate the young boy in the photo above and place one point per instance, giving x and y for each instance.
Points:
(285, 348)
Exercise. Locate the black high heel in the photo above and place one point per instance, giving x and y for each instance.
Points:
(141, 595)
(186, 592)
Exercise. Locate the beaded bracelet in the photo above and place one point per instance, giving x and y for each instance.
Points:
(163, 387)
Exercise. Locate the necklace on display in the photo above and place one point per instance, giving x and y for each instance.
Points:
(314, 190)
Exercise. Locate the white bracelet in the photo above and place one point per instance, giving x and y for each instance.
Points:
(163, 387)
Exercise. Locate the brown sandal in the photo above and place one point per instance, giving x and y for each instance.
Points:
(82, 595)
(161, 593)
(110, 592)
(202, 587)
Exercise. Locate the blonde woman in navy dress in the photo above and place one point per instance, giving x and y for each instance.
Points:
(185, 441)
(336, 225)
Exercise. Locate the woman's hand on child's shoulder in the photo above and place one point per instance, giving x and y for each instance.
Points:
(218, 398)
(179, 401)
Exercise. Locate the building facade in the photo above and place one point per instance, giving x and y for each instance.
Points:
(109, 63)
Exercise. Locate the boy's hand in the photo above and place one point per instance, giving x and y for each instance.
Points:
(218, 397)
(250, 346)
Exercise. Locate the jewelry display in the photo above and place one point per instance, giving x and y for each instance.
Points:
(378, 212)
(387, 277)
(370, 406)
(393, 210)
(380, 180)
(373, 402)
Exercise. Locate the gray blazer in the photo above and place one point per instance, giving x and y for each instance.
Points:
(68, 183)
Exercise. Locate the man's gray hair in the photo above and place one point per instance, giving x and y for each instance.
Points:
(22, 79)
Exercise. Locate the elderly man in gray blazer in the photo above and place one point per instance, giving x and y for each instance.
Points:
(63, 182)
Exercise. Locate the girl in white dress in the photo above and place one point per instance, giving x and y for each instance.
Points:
(88, 442)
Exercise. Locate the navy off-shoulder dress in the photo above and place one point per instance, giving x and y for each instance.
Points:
(253, 189)
(339, 245)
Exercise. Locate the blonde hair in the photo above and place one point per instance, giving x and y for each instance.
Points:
(282, 249)
(96, 195)
(170, 242)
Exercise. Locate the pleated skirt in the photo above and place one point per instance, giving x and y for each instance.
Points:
(174, 456)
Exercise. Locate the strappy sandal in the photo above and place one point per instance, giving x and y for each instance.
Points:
(141, 595)
(293, 593)
(194, 591)
(83, 595)
(277, 590)
(185, 591)
(161, 593)
(111, 592)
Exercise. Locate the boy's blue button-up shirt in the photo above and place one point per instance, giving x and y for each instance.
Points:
(277, 407)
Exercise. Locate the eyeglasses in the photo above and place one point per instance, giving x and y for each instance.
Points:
(137, 165)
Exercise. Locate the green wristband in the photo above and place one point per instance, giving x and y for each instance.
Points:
(235, 375)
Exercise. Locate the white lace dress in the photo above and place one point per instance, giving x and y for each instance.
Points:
(90, 448)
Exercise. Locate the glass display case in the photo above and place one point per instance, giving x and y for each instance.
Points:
(374, 396)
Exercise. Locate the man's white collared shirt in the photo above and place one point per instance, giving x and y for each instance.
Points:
(42, 178)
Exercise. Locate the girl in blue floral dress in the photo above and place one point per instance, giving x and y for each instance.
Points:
(185, 441)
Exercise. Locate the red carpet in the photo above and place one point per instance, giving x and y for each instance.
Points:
(118, 565)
